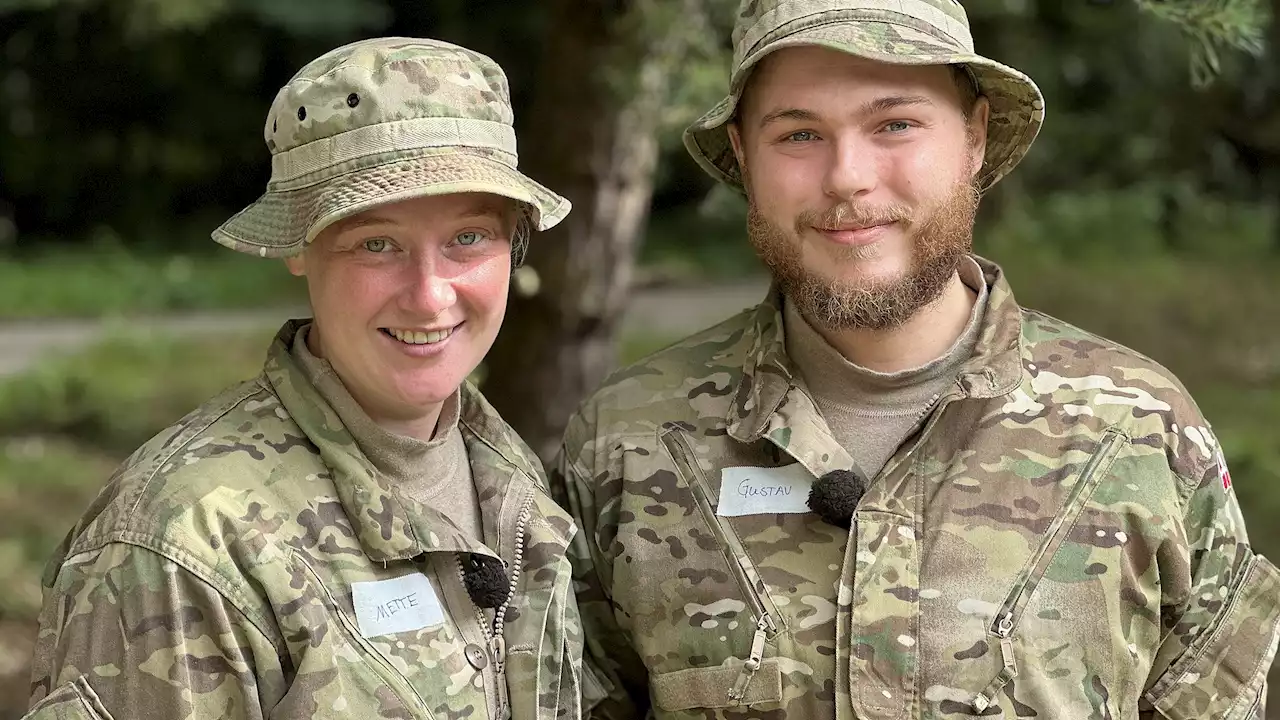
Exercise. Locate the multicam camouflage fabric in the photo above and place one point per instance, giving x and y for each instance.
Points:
(214, 576)
(913, 32)
(1059, 540)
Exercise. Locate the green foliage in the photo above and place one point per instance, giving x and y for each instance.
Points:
(99, 283)
(1213, 26)
(117, 395)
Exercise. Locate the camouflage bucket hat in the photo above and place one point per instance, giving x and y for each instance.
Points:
(903, 32)
(379, 121)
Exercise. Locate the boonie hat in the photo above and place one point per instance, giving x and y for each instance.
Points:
(379, 121)
(903, 32)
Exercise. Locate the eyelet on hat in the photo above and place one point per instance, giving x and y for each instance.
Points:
(302, 113)
(353, 100)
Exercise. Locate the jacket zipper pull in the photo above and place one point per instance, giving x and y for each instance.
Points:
(1004, 631)
(749, 668)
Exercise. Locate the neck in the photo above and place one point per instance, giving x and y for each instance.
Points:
(420, 427)
(920, 340)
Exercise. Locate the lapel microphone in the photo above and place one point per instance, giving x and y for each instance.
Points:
(834, 496)
(485, 580)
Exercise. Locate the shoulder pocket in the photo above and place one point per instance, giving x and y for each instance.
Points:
(710, 687)
(71, 701)
(1221, 674)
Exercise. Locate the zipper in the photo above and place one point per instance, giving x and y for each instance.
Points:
(752, 664)
(1004, 631)
(494, 639)
(735, 554)
(1010, 613)
(389, 672)
(729, 542)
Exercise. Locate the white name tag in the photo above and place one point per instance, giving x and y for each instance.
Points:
(760, 491)
(386, 607)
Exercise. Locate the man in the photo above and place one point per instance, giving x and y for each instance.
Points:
(888, 491)
(355, 532)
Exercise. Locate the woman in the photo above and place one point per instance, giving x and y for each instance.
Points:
(355, 532)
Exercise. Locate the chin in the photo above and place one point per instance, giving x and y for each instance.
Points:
(429, 392)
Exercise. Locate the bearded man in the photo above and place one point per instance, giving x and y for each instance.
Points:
(888, 491)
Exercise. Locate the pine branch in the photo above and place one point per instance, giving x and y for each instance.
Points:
(1213, 27)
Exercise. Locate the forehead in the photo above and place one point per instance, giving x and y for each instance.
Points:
(434, 208)
(812, 73)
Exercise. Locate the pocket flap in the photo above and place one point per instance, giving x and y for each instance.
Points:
(709, 687)
(70, 701)
(1221, 675)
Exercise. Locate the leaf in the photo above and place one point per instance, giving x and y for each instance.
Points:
(1214, 26)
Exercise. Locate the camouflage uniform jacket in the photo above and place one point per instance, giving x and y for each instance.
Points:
(1057, 540)
(214, 576)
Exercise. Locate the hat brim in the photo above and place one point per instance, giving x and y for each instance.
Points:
(282, 222)
(1017, 106)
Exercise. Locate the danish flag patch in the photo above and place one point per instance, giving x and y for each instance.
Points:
(1223, 472)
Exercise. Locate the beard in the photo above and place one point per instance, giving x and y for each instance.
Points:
(938, 243)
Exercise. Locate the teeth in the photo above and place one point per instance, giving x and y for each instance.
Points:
(420, 338)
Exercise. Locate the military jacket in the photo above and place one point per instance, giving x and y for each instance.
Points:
(1058, 539)
(218, 573)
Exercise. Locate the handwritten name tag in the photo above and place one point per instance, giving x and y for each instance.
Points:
(386, 607)
(759, 491)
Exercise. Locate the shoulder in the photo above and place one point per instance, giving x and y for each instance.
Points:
(691, 378)
(176, 493)
(1085, 373)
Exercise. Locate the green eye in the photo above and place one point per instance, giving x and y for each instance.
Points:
(375, 245)
(469, 237)
(897, 127)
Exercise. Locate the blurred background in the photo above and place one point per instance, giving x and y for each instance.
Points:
(1146, 212)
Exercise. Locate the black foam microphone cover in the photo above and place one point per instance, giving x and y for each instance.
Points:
(485, 579)
(835, 496)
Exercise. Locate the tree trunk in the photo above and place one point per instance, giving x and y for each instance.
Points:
(591, 136)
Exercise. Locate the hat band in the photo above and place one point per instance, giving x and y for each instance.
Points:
(397, 135)
(788, 11)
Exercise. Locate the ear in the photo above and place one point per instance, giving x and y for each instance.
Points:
(735, 139)
(297, 264)
(977, 134)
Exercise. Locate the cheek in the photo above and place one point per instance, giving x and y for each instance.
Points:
(926, 171)
(483, 288)
(353, 293)
(783, 184)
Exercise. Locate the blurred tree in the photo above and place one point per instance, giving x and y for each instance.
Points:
(605, 88)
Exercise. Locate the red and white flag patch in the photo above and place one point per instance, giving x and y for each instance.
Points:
(1223, 472)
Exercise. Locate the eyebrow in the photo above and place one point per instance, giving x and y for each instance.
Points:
(872, 107)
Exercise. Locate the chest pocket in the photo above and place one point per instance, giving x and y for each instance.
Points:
(411, 672)
(1003, 630)
(700, 614)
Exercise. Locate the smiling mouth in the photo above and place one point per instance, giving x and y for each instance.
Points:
(419, 337)
(855, 228)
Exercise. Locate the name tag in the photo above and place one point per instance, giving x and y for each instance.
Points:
(761, 491)
(386, 607)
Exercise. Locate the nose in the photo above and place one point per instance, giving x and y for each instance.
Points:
(429, 292)
(851, 170)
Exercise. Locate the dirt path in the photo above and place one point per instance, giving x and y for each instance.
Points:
(658, 311)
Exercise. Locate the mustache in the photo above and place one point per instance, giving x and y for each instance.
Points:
(846, 214)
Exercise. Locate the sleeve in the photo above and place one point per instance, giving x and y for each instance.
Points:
(126, 632)
(615, 679)
(1221, 630)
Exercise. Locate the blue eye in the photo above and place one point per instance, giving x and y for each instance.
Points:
(375, 245)
(897, 126)
(469, 237)
(802, 136)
